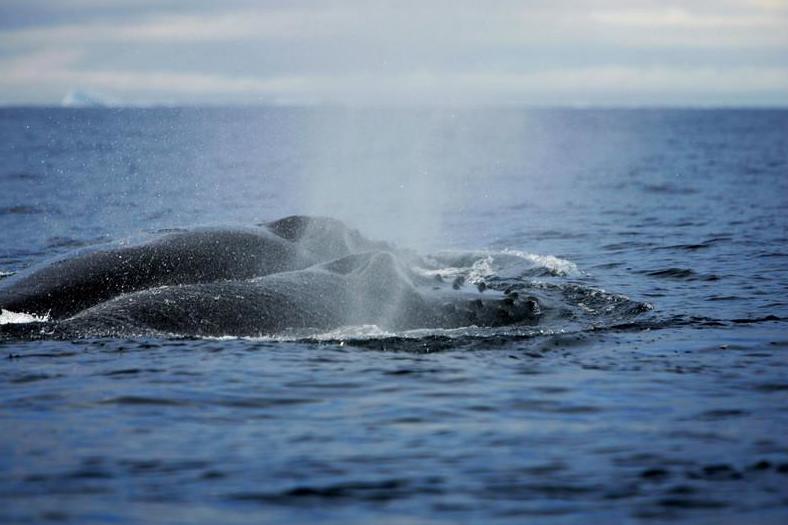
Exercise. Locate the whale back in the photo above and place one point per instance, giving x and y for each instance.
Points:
(323, 237)
(67, 286)
(296, 274)
(288, 301)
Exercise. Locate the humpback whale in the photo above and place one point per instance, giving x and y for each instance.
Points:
(294, 274)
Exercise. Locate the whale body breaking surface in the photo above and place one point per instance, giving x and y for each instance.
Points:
(298, 276)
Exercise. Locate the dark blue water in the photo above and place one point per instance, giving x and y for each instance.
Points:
(678, 414)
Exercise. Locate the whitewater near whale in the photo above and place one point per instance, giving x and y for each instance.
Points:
(297, 275)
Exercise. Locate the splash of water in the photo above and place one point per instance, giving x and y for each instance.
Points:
(8, 317)
(395, 175)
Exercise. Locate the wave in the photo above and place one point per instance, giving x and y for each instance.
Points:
(477, 265)
(685, 274)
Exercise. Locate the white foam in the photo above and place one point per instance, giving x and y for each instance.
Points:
(506, 264)
(555, 265)
(9, 317)
(353, 333)
(364, 331)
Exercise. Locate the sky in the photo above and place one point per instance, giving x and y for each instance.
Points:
(357, 52)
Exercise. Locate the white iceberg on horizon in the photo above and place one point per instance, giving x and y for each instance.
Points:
(78, 98)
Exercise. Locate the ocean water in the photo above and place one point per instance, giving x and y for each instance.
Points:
(672, 408)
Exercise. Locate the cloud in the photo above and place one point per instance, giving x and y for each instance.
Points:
(168, 28)
(389, 52)
(675, 26)
(421, 24)
(55, 68)
(609, 85)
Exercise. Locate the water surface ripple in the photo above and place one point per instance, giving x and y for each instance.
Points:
(672, 413)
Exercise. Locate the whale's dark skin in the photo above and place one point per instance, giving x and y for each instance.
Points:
(69, 286)
(294, 274)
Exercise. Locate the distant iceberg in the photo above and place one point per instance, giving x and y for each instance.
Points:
(77, 98)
